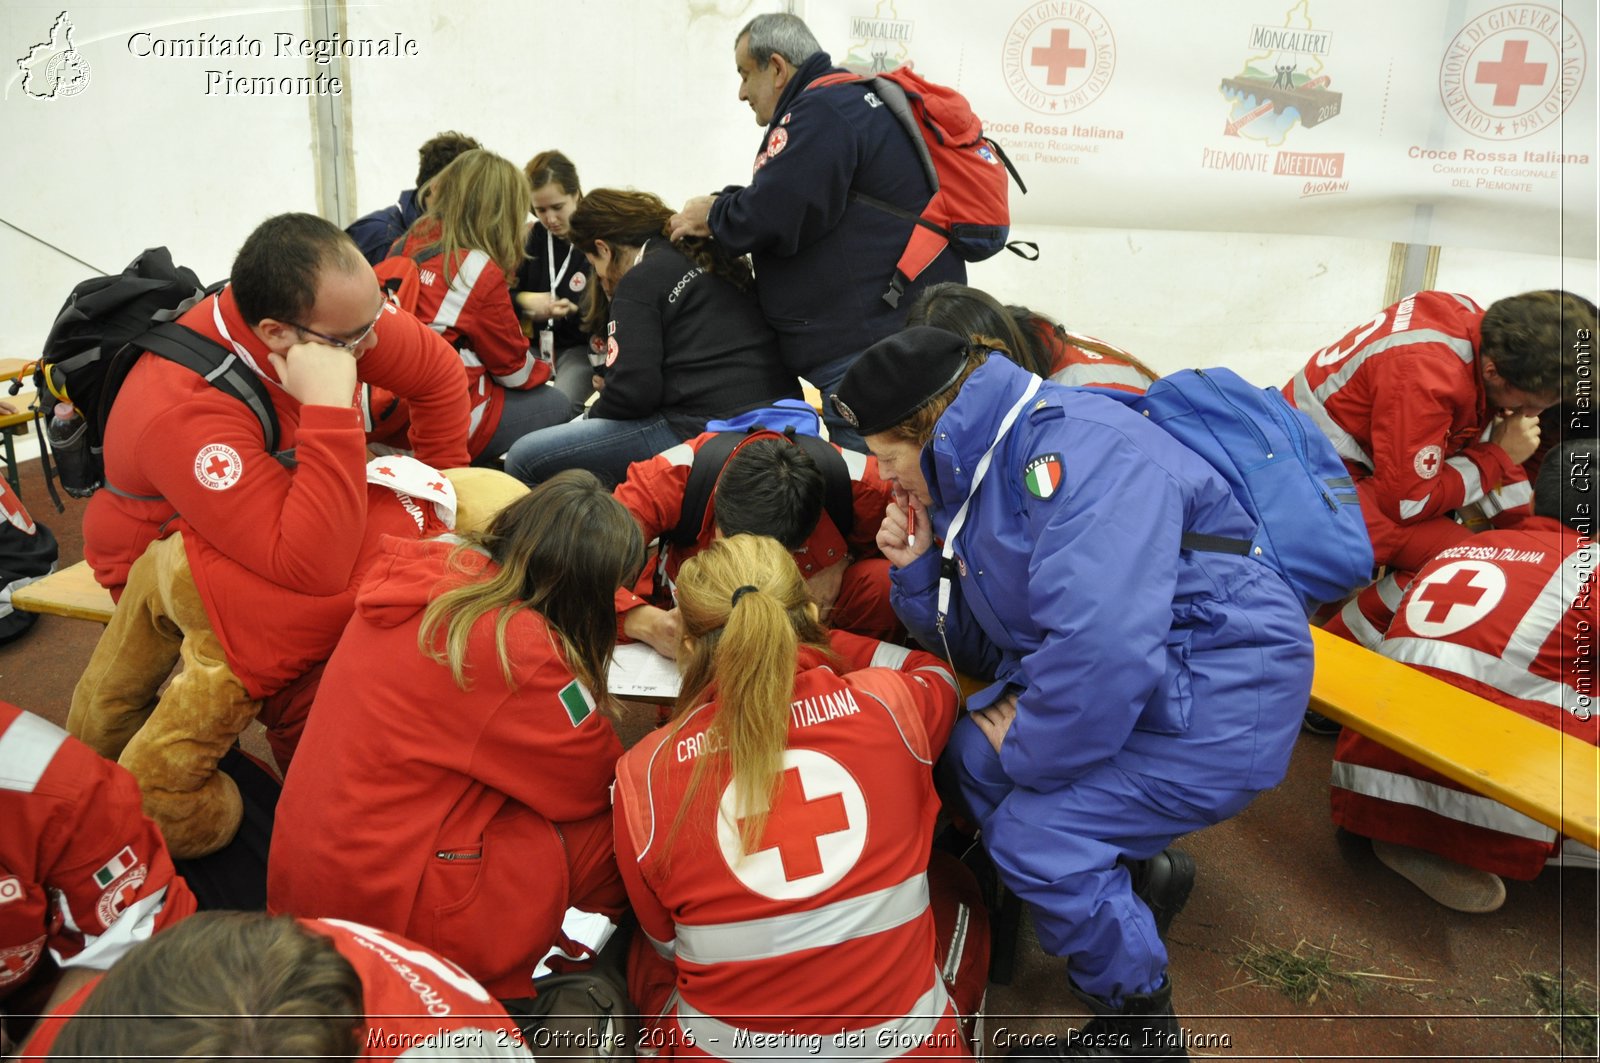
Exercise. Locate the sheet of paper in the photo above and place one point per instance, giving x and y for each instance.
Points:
(637, 671)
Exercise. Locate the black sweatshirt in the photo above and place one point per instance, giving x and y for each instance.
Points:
(688, 344)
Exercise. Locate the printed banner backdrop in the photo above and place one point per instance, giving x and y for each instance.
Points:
(1468, 123)
(1282, 144)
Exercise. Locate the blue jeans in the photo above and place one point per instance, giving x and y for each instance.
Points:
(605, 448)
(525, 412)
(825, 378)
(574, 375)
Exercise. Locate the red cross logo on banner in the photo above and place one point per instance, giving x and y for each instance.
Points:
(1453, 597)
(1059, 57)
(1510, 73)
(814, 834)
(1512, 70)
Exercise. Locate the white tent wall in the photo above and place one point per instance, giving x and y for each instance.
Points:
(1260, 304)
(150, 149)
(638, 95)
(141, 155)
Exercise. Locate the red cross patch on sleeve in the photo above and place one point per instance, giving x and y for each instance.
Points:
(217, 466)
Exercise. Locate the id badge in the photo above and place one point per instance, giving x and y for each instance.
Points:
(547, 345)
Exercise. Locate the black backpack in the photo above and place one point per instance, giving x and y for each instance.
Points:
(28, 552)
(839, 499)
(105, 326)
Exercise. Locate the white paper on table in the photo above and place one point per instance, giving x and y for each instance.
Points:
(637, 671)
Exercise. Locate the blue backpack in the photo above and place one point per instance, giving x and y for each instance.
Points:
(1283, 471)
(782, 416)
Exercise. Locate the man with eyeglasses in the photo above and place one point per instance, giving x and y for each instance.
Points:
(241, 562)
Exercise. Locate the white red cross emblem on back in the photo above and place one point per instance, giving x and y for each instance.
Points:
(813, 836)
(1454, 597)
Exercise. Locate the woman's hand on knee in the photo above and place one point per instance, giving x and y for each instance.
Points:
(995, 720)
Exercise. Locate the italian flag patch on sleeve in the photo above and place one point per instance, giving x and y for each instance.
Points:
(578, 702)
(114, 867)
(1042, 475)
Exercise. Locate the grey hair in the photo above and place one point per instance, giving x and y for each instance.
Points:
(778, 33)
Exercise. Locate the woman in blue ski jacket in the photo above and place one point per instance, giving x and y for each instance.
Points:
(1140, 690)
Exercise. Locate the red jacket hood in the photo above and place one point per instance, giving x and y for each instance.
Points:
(408, 574)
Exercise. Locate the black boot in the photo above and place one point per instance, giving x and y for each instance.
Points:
(1315, 723)
(1163, 883)
(1143, 1028)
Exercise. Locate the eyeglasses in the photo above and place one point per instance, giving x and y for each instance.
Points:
(334, 341)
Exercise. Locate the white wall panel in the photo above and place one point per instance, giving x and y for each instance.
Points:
(141, 154)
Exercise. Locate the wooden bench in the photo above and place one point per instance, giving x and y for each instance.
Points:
(14, 424)
(1548, 776)
(70, 592)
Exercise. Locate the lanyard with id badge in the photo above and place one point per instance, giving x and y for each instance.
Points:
(547, 334)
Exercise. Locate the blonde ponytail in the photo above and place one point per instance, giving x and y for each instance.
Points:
(746, 611)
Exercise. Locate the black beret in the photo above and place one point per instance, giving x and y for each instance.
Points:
(897, 376)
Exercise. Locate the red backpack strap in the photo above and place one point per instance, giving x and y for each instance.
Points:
(838, 77)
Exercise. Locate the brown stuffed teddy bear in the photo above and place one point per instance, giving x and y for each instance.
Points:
(172, 743)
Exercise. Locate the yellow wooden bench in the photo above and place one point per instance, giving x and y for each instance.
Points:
(70, 592)
(1548, 776)
(14, 424)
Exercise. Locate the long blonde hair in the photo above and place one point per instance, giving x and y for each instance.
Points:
(746, 612)
(562, 549)
(477, 203)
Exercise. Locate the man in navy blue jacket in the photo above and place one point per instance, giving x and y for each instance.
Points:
(375, 233)
(823, 259)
